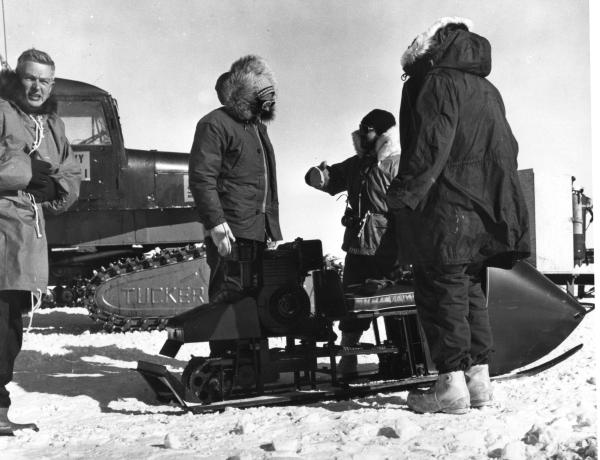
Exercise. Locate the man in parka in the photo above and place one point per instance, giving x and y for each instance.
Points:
(458, 204)
(233, 180)
(37, 172)
(369, 240)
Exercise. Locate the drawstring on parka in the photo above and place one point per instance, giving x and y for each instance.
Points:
(39, 135)
(36, 300)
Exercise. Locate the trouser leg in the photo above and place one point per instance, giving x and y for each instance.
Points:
(12, 304)
(442, 298)
(225, 282)
(479, 319)
(232, 277)
(357, 268)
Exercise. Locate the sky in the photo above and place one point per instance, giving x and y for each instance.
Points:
(334, 60)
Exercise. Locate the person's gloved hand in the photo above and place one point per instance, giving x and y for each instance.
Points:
(222, 237)
(318, 176)
(46, 192)
(42, 186)
(40, 173)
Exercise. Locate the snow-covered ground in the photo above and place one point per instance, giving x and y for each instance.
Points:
(78, 384)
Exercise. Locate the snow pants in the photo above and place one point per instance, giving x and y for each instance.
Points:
(452, 308)
(359, 268)
(232, 277)
(12, 306)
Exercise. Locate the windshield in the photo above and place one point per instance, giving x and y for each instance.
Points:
(84, 122)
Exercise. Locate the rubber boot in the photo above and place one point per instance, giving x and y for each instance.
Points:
(448, 394)
(479, 385)
(348, 365)
(7, 428)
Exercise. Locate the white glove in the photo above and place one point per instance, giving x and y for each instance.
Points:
(318, 176)
(222, 237)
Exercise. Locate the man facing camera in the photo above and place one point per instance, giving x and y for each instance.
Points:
(37, 172)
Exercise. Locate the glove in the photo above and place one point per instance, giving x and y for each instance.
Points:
(42, 186)
(46, 192)
(318, 176)
(222, 237)
(40, 173)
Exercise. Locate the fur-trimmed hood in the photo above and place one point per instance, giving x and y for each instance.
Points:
(247, 77)
(459, 49)
(386, 145)
(10, 87)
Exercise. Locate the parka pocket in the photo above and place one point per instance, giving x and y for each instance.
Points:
(24, 212)
(233, 156)
(374, 227)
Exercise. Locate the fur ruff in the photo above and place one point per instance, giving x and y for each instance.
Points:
(423, 42)
(10, 89)
(247, 77)
(387, 144)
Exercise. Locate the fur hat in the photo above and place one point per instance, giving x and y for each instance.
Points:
(422, 44)
(249, 79)
(379, 120)
(219, 86)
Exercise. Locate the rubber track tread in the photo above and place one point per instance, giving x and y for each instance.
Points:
(117, 323)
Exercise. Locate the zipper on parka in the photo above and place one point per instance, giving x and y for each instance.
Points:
(264, 156)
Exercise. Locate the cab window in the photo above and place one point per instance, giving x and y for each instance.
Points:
(85, 123)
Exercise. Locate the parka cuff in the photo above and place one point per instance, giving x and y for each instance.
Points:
(212, 222)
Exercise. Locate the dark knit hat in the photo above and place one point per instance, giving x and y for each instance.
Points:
(379, 120)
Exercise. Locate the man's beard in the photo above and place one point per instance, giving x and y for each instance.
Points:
(267, 115)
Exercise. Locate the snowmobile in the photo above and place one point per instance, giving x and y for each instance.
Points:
(529, 314)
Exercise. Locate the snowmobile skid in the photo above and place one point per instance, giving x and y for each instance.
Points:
(530, 317)
(169, 388)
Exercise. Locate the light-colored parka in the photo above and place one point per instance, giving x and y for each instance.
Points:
(23, 246)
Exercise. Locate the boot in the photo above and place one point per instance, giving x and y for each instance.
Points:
(448, 394)
(7, 428)
(348, 365)
(479, 385)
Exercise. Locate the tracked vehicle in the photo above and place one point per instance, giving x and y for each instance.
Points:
(131, 201)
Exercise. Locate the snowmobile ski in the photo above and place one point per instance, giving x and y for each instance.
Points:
(168, 388)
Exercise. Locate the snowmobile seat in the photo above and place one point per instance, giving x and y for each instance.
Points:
(376, 296)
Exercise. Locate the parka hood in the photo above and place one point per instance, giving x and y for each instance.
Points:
(457, 49)
(248, 76)
(10, 87)
(387, 144)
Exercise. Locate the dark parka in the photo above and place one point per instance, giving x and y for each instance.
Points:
(366, 179)
(233, 177)
(24, 252)
(457, 187)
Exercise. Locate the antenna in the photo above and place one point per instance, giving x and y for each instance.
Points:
(3, 61)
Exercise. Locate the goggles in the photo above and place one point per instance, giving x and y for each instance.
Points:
(364, 129)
